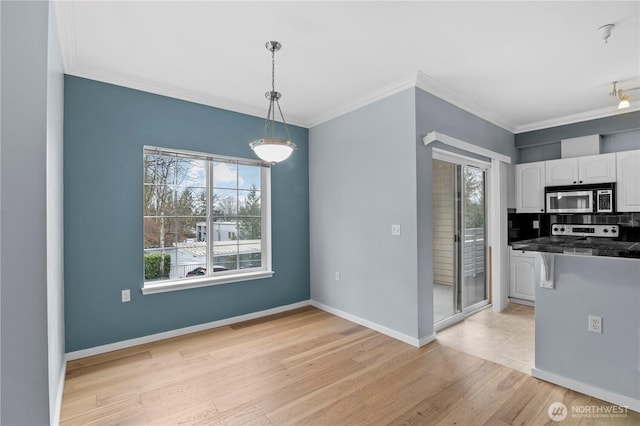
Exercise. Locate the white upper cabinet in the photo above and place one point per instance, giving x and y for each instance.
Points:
(530, 187)
(597, 168)
(628, 181)
(581, 170)
(562, 172)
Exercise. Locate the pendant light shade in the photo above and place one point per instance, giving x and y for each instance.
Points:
(270, 148)
(273, 150)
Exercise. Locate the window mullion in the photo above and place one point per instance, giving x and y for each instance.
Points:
(265, 218)
(237, 217)
(209, 219)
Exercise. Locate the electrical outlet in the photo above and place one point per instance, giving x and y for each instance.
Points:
(595, 324)
(395, 230)
(126, 295)
(536, 224)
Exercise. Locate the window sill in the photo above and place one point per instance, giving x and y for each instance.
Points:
(163, 287)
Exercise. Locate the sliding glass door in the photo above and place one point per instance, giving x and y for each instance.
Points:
(459, 242)
(474, 247)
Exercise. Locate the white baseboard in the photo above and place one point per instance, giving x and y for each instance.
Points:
(522, 301)
(70, 356)
(55, 421)
(594, 391)
(374, 326)
(426, 339)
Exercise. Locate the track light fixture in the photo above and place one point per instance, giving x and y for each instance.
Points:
(624, 99)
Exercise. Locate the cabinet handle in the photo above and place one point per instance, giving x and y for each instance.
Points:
(580, 181)
(574, 181)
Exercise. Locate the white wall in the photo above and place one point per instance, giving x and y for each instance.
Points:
(55, 223)
(363, 179)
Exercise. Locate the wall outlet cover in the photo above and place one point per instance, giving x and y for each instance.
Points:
(126, 295)
(595, 324)
(395, 230)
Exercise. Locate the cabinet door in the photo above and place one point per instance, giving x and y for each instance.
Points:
(530, 187)
(523, 277)
(562, 172)
(628, 181)
(597, 168)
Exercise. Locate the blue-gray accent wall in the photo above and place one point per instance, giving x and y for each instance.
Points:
(105, 129)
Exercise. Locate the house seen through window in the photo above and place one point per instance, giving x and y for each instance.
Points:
(204, 216)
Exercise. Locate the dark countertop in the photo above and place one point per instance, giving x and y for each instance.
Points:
(587, 246)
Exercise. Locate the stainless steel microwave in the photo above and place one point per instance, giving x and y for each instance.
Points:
(580, 199)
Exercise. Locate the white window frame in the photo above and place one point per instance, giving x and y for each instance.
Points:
(225, 277)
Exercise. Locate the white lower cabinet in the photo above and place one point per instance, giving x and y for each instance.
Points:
(524, 275)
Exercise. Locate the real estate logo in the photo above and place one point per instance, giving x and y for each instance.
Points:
(557, 411)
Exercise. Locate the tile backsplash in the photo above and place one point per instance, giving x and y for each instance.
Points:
(521, 224)
(631, 220)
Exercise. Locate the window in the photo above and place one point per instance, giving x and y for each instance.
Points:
(206, 220)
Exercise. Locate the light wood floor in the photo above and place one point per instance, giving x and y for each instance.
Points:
(305, 367)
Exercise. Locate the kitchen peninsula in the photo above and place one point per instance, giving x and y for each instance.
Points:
(589, 270)
(607, 364)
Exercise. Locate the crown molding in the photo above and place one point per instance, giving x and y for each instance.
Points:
(430, 85)
(575, 118)
(424, 82)
(66, 13)
(362, 101)
(149, 86)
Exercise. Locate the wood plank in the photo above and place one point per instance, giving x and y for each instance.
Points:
(305, 367)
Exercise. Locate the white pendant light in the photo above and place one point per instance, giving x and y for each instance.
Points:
(269, 148)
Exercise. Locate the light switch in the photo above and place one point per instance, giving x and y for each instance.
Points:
(395, 230)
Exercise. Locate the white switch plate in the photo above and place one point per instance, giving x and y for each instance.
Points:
(126, 295)
(395, 229)
(536, 224)
(337, 276)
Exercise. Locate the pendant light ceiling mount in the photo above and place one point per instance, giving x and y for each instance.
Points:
(270, 148)
(605, 32)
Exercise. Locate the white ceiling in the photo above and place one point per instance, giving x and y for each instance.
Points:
(520, 65)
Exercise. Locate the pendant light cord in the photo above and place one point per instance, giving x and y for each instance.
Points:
(274, 97)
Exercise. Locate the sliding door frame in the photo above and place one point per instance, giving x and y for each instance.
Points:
(464, 161)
